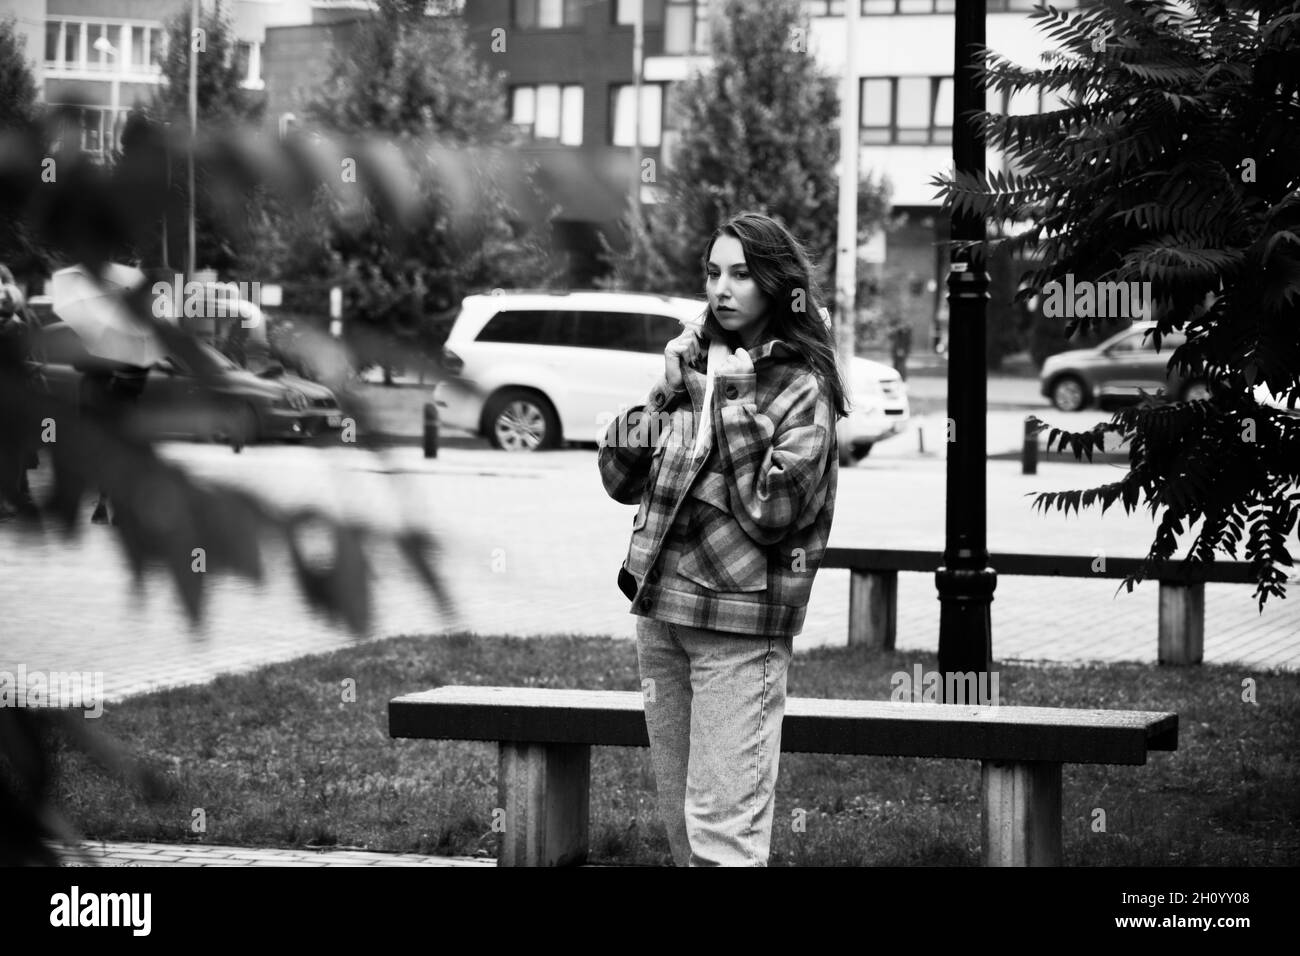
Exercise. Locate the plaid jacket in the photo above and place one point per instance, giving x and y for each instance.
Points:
(730, 540)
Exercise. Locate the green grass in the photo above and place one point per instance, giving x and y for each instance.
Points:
(278, 758)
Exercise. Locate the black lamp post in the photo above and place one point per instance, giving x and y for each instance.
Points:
(965, 582)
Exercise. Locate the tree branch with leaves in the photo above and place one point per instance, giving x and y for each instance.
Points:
(1173, 161)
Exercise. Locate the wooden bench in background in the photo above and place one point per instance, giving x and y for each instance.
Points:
(545, 739)
(873, 591)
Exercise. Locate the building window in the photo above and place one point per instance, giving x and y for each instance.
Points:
(98, 59)
(72, 58)
(943, 110)
(70, 46)
(548, 14)
(824, 8)
(549, 112)
(652, 114)
(88, 127)
(139, 55)
(890, 7)
(877, 110)
(625, 11)
(686, 26)
(247, 61)
(915, 110)
(53, 33)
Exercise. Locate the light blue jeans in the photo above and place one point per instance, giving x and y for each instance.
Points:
(714, 703)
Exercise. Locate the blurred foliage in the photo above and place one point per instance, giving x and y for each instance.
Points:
(759, 131)
(221, 98)
(19, 111)
(18, 103)
(1173, 161)
(416, 215)
(469, 218)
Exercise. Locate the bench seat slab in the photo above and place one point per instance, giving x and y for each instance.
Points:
(864, 727)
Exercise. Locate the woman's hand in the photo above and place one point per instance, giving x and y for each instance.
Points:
(683, 350)
(738, 363)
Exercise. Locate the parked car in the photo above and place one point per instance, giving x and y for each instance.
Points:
(1115, 369)
(531, 370)
(241, 406)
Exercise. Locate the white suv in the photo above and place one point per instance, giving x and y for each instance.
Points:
(531, 370)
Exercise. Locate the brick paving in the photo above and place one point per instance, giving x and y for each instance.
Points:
(532, 547)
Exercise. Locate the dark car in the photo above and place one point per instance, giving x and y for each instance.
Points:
(1114, 370)
(239, 404)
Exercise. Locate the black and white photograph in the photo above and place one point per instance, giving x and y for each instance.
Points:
(630, 434)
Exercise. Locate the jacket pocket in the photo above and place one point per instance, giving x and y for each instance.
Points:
(719, 555)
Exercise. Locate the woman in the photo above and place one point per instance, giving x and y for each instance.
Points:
(733, 463)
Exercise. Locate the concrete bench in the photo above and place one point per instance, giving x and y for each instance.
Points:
(545, 739)
(873, 591)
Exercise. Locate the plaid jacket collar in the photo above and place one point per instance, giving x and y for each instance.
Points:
(771, 351)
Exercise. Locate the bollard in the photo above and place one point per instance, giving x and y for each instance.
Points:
(430, 430)
(1029, 450)
(920, 439)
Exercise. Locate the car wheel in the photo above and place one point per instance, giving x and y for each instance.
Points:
(1069, 393)
(862, 450)
(1196, 391)
(519, 420)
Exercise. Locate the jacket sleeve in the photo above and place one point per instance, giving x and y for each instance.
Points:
(628, 444)
(774, 460)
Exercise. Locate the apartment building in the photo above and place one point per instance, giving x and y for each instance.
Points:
(96, 60)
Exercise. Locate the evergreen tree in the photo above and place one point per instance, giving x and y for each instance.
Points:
(1173, 161)
(19, 111)
(18, 103)
(471, 219)
(221, 99)
(759, 131)
(225, 109)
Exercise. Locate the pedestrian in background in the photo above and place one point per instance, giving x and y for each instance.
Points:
(18, 381)
(735, 498)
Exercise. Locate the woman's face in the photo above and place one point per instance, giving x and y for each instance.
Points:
(734, 296)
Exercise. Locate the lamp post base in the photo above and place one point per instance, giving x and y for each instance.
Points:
(965, 621)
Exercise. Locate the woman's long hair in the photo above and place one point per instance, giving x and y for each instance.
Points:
(783, 270)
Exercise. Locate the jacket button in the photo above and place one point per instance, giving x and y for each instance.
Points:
(645, 603)
(731, 391)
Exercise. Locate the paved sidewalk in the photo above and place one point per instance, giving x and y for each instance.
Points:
(192, 854)
(532, 549)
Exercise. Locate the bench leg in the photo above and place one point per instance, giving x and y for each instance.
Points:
(1182, 623)
(873, 608)
(544, 790)
(1021, 813)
